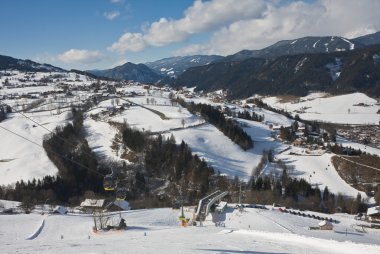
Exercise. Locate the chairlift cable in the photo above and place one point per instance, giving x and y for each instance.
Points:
(60, 155)
(51, 150)
(64, 140)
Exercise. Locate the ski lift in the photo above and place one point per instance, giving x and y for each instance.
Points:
(121, 193)
(109, 183)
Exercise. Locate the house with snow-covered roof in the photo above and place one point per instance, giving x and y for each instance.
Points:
(373, 213)
(93, 204)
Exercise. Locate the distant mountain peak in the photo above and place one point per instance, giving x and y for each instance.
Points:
(174, 66)
(10, 63)
(129, 71)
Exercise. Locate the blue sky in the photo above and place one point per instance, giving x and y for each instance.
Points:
(89, 34)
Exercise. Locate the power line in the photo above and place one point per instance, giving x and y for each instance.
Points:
(64, 140)
(60, 155)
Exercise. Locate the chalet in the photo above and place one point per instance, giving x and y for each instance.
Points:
(93, 204)
(373, 214)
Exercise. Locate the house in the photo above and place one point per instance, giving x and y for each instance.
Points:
(325, 225)
(60, 210)
(373, 214)
(93, 204)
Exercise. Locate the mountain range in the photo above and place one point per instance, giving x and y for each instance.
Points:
(328, 63)
(336, 72)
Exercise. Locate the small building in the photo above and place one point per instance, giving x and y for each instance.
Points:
(325, 225)
(93, 204)
(60, 210)
(373, 213)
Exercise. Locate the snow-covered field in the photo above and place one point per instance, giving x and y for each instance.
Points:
(21, 159)
(224, 155)
(318, 170)
(356, 108)
(154, 112)
(158, 231)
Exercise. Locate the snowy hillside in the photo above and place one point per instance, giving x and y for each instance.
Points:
(11, 79)
(21, 159)
(356, 108)
(158, 231)
(151, 110)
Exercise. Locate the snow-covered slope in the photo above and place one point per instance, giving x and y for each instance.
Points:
(319, 171)
(21, 159)
(158, 231)
(356, 108)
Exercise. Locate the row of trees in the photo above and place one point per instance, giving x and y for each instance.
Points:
(164, 159)
(4, 110)
(77, 168)
(252, 117)
(226, 125)
(289, 192)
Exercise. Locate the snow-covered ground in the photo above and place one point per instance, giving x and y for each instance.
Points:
(319, 171)
(333, 109)
(354, 145)
(158, 231)
(154, 112)
(21, 159)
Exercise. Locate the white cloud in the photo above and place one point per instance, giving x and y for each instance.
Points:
(116, 1)
(200, 17)
(81, 56)
(254, 24)
(347, 18)
(111, 15)
(129, 42)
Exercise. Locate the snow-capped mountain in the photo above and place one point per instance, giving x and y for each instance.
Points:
(369, 39)
(298, 46)
(174, 66)
(337, 72)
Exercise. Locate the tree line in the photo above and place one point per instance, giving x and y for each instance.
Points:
(186, 173)
(4, 111)
(226, 125)
(250, 116)
(77, 168)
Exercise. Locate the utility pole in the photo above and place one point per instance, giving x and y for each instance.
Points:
(240, 193)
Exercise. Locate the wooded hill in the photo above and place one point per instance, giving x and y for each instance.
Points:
(336, 72)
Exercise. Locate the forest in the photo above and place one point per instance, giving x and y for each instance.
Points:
(227, 126)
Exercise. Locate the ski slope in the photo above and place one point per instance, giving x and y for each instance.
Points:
(319, 171)
(158, 231)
